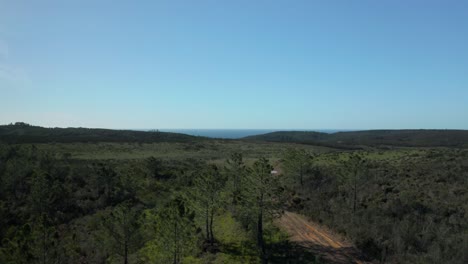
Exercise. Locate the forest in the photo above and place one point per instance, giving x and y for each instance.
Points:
(110, 196)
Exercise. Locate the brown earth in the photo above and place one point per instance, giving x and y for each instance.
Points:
(319, 241)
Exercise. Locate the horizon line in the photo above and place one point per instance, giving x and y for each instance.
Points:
(271, 129)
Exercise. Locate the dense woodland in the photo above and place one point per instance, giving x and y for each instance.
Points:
(217, 205)
(405, 206)
(60, 210)
(375, 138)
(24, 133)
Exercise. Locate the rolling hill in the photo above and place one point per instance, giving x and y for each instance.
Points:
(24, 133)
(374, 138)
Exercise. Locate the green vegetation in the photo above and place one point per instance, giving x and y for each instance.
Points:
(60, 207)
(372, 138)
(398, 206)
(195, 200)
(25, 133)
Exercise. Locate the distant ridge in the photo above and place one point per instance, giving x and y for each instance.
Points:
(233, 133)
(401, 138)
(25, 133)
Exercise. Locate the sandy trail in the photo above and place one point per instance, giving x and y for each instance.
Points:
(318, 240)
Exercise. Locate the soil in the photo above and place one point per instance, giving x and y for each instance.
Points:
(319, 240)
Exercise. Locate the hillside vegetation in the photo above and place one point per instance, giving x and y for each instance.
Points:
(108, 196)
(372, 138)
(24, 133)
(398, 206)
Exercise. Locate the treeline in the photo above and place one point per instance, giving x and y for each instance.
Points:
(19, 133)
(57, 210)
(398, 207)
(371, 138)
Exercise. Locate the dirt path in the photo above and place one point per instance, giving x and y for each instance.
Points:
(318, 240)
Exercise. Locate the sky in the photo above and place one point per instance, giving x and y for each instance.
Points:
(281, 64)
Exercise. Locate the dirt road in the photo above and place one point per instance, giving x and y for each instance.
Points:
(318, 240)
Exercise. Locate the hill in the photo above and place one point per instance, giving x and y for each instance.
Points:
(373, 138)
(25, 133)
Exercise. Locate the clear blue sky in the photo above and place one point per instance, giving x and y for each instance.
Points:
(235, 64)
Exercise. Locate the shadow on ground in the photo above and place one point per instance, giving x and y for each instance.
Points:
(289, 252)
(292, 253)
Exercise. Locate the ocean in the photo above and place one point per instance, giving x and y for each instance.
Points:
(236, 133)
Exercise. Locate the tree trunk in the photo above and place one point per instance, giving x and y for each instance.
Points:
(175, 243)
(211, 227)
(44, 248)
(355, 193)
(302, 176)
(260, 241)
(207, 226)
(126, 253)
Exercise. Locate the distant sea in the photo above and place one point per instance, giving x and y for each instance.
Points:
(235, 133)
